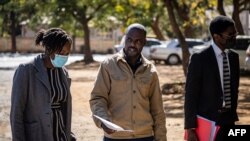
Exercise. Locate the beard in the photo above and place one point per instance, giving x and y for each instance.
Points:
(132, 51)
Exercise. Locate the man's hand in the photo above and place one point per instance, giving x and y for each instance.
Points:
(192, 136)
(107, 130)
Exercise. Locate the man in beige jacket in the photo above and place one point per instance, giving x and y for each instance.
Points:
(127, 93)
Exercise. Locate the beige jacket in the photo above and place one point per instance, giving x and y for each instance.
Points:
(132, 101)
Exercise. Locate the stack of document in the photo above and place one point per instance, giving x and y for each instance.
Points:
(206, 129)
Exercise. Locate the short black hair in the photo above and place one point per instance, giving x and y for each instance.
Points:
(220, 24)
(53, 39)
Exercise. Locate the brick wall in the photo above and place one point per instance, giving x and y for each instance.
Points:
(28, 45)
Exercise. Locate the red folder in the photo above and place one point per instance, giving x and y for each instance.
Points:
(206, 129)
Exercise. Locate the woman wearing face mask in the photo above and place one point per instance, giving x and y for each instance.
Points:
(41, 99)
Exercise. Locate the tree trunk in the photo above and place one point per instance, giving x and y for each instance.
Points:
(183, 13)
(220, 7)
(156, 29)
(236, 17)
(13, 31)
(4, 24)
(88, 58)
(189, 31)
(181, 38)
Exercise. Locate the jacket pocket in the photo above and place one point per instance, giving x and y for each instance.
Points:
(144, 85)
(119, 83)
(32, 131)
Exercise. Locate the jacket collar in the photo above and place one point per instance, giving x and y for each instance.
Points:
(121, 57)
(41, 70)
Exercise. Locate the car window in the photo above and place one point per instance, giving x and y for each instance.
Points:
(151, 43)
(178, 45)
(242, 43)
(191, 43)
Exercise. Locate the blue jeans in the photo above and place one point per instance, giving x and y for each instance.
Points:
(137, 139)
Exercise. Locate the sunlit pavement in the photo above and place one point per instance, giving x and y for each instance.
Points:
(10, 61)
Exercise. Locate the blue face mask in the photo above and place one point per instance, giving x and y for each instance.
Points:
(59, 60)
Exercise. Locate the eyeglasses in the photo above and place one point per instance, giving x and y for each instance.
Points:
(137, 42)
(230, 36)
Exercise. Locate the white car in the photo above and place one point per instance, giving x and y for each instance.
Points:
(242, 42)
(171, 52)
(146, 49)
(247, 60)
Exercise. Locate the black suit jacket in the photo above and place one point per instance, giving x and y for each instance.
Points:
(203, 92)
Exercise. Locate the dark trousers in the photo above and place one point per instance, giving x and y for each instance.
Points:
(138, 139)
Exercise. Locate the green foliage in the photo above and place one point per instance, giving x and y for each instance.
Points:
(23, 9)
(70, 14)
(193, 14)
(3, 2)
(121, 13)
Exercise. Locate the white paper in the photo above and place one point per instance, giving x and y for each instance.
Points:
(111, 125)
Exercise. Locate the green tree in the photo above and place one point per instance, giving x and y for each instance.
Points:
(191, 15)
(180, 36)
(13, 13)
(83, 12)
(147, 12)
(187, 19)
(239, 6)
(220, 7)
(4, 16)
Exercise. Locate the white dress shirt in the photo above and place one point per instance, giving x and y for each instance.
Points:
(219, 58)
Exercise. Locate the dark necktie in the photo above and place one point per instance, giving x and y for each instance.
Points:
(226, 83)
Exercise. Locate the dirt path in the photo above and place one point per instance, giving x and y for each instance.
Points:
(82, 82)
(83, 79)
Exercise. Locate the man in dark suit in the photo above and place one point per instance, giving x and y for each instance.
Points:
(213, 80)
